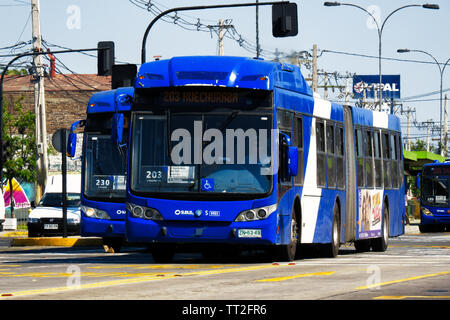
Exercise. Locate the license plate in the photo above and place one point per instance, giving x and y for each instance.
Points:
(51, 226)
(249, 233)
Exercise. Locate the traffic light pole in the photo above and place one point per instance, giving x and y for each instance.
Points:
(144, 39)
(2, 80)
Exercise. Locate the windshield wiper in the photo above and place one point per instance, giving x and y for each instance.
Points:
(229, 119)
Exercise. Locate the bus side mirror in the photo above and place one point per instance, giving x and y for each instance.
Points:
(117, 128)
(284, 20)
(418, 181)
(292, 161)
(72, 138)
(72, 144)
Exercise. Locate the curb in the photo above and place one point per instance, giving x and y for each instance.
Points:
(56, 242)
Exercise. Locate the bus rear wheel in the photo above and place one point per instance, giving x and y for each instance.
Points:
(331, 250)
(286, 252)
(380, 244)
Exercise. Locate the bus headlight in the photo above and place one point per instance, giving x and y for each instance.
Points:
(256, 214)
(426, 211)
(94, 213)
(144, 212)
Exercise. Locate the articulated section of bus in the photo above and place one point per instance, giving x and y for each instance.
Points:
(434, 197)
(104, 168)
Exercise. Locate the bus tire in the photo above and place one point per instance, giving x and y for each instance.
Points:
(380, 244)
(163, 253)
(331, 250)
(286, 252)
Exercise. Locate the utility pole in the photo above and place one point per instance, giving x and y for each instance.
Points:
(220, 38)
(347, 90)
(408, 113)
(314, 75)
(445, 124)
(257, 29)
(325, 88)
(429, 125)
(39, 103)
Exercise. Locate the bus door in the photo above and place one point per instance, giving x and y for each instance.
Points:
(350, 167)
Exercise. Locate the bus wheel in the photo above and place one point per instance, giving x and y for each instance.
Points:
(286, 252)
(163, 253)
(112, 245)
(381, 244)
(331, 250)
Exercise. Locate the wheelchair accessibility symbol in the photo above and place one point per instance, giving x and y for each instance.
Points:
(207, 184)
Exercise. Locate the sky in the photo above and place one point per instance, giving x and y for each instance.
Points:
(83, 23)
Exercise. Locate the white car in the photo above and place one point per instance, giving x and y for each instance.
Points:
(47, 217)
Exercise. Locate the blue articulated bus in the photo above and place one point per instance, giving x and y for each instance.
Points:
(434, 197)
(104, 167)
(234, 152)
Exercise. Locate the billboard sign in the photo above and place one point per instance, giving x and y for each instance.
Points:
(370, 84)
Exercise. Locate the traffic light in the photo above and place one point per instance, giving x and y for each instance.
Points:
(284, 20)
(105, 59)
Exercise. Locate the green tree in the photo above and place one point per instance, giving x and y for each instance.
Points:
(19, 136)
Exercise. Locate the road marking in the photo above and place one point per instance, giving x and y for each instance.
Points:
(420, 246)
(403, 280)
(409, 297)
(296, 276)
(146, 278)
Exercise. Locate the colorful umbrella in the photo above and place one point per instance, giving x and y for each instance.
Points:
(20, 197)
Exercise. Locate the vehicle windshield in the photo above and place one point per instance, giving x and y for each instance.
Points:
(55, 200)
(435, 190)
(220, 153)
(105, 168)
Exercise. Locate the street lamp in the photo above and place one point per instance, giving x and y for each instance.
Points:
(441, 74)
(380, 31)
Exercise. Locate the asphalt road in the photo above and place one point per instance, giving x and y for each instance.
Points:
(415, 267)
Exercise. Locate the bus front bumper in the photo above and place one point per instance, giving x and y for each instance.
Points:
(92, 227)
(434, 219)
(261, 232)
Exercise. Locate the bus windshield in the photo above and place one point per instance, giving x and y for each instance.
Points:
(435, 190)
(216, 152)
(105, 168)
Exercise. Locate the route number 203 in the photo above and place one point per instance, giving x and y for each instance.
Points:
(154, 175)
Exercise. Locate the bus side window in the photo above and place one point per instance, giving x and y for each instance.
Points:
(386, 161)
(321, 164)
(331, 160)
(340, 162)
(400, 160)
(378, 161)
(359, 158)
(298, 136)
(368, 158)
(394, 163)
(283, 170)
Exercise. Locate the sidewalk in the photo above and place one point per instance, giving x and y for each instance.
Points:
(20, 239)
